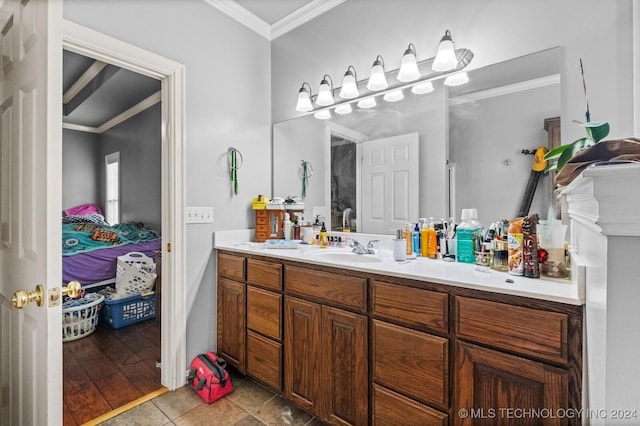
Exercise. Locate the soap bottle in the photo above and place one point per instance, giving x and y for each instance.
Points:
(415, 240)
(296, 230)
(399, 247)
(323, 236)
(286, 225)
(424, 237)
(464, 236)
(432, 241)
(408, 236)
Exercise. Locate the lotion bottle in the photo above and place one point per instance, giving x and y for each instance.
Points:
(407, 235)
(323, 236)
(399, 247)
(286, 225)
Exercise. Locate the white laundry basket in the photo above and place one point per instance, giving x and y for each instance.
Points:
(135, 274)
(80, 316)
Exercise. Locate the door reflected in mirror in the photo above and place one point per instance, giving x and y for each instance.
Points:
(469, 144)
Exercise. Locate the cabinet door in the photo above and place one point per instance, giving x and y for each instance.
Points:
(302, 353)
(231, 322)
(500, 389)
(344, 367)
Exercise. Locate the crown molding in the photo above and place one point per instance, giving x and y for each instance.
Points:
(301, 16)
(283, 26)
(242, 15)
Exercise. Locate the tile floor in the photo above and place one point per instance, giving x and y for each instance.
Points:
(250, 404)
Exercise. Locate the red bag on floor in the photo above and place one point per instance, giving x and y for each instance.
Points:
(209, 378)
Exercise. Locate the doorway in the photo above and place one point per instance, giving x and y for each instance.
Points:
(86, 42)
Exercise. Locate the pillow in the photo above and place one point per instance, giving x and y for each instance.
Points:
(86, 218)
(83, 209)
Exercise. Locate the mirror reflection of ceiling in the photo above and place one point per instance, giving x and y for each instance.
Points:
(104, 91)
(388, 118)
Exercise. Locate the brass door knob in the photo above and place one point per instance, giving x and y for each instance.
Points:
(72, 289)
(21, 297)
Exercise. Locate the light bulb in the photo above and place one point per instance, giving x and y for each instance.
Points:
(409, 66)
(422, 88)
(325, 92)
(304, 99)
(367, 103)
(377, 79)
(349, 89)
(343, 109)
(394, 96)
(446, 57)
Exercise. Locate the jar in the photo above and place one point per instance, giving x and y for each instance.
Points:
(514, 239)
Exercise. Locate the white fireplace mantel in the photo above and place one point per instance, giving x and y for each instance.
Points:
(604, 207)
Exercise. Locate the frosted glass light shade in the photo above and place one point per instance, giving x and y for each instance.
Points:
(377, 79)
(445, 59)
(349, 89)
(343, 109)
(422, 88)
(394, 96)
(304, 99)
(456, 79)
(409, 66)
(367, 103)
(323, 115)
(325, 92)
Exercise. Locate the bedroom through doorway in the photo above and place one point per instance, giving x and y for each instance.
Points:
(112, 201)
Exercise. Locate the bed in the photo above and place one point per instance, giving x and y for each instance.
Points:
(90, 247)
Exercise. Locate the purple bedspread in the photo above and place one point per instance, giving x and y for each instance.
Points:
(100, 265)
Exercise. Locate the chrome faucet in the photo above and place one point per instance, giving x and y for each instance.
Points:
(360, 249)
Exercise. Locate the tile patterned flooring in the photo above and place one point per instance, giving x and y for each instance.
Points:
(250, 404)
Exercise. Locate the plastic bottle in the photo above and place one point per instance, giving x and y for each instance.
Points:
(514, 241)
(286, 225)
(424, 238)
(432, 242)
(464, 236)
(407, 235)
(416, 240)
(323, 236)
(399, 247)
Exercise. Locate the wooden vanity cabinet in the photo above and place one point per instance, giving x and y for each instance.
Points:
(326, 356)
(264, 322)
(231, 310)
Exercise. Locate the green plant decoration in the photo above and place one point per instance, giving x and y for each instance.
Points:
(596, 131)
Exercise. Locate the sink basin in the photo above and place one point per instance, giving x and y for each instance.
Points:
(343, 256)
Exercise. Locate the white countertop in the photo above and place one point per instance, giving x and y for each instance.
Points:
(420, 269)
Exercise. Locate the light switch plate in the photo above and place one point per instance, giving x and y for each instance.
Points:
(199, 215)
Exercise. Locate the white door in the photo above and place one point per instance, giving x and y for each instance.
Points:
(30, 209)
(390, 195)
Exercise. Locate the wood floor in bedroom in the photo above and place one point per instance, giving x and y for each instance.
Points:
(108, 369)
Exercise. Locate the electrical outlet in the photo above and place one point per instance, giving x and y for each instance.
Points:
(199, 215)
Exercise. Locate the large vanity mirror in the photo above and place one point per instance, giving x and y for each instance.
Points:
(427, 155)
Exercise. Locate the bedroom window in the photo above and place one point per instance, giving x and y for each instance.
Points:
(112, 167)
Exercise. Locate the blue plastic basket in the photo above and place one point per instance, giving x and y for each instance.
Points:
(119, 313)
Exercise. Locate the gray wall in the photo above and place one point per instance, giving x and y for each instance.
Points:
(79, 169)
(598, 31)
(139, 142)
(228, 94)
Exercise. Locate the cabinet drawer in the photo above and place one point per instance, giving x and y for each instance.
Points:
(528, 331)
(390, 408)
(264, 312)
(411, 362)
(411, 306)
(262, 220)
(264, 360)
(266, 274)
(340, 290)
(231, 266)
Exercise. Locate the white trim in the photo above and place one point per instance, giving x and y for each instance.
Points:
(301, 16)
(508, 89)
(280, 27)
(636, 66)
(84, 79)
(134, 110)
(85, 41)
(80, 128)
(242, 15)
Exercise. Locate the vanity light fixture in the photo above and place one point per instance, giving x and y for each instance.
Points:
(377, 78)
(343, 109)
(349, 89)
(456, 79)
(325, 93)
(367, 103)
(324, 114)
(422, 88)
(409, 66)
(446, 57)
(393, 96)
(304, 98)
